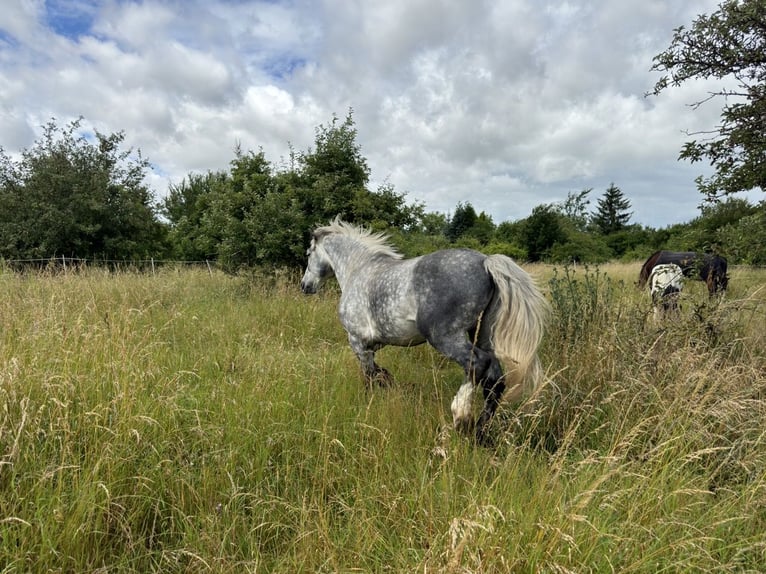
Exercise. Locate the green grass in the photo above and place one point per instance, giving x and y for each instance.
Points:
(189, 422)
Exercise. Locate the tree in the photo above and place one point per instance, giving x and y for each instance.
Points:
(185, 207)
(385, 208)
(629, 239)
(612, 213)
(461, 221)
(729, 43)
(575, 208)
(432, 223)
(333, 172)
(255, 218)
(541, 231)
(258, 215)
(79, 197)
(745, 239)
(483, 228)
(580, 247)
(703, 232)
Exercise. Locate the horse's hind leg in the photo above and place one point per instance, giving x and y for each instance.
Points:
(493, 386)
(478, 365)
(462, 408)
(484, 370)
(490, 378)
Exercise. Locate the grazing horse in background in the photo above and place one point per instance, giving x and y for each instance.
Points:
(665, 285)
(478, 310)
(703, 266)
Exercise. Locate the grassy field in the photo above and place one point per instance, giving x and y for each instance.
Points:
(189, 422)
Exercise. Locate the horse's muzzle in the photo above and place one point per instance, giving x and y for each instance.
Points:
(308, 288)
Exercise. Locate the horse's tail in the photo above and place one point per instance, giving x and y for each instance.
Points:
(516, 317)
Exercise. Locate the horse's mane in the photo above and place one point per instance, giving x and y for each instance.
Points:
(377, 243)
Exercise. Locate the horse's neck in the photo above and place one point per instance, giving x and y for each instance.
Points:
(347, 257)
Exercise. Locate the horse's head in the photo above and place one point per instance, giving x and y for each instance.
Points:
(318, 267)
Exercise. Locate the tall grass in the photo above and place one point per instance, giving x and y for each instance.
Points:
(188, 422)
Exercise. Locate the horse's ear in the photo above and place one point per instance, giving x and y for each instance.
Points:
(319, 233)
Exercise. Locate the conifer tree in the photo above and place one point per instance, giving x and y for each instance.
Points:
(612, 213)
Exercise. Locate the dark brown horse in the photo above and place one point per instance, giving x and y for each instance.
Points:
(703, 266)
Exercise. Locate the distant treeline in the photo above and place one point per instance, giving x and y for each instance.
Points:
(85, 198)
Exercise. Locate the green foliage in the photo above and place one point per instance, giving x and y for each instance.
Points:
(510, 249)
(467, 242)
(333, 173)
(541, 231)
(432, 223)
(467, 226)
(703, 233)
(575, 209)
(581, 305)
(417, 242)
(261, 216)
(336, 155)
(461, 221)
(70, 196)
(483, 228)
(510, 232)
(187, 207)
(580, 247)
(385, 209)
(715, 230)
(745, 238)
(611, 213)
(629, 239)
(730, 43)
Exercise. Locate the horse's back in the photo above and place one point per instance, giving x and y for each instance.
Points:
(704, 266)
(451, 274)
(400, 302)
(684, 259)
(451, 283)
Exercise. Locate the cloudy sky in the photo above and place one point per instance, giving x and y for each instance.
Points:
(507, 104)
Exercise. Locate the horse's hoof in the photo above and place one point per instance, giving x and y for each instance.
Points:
(464, 426)
(383, 378)
(483, 438)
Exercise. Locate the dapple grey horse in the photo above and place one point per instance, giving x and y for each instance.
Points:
(478, 310)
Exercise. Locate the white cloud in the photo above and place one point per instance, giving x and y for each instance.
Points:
(507, 104)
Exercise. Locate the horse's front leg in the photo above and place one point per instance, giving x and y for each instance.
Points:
(373, 373)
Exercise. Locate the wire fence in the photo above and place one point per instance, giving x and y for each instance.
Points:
(64, 264)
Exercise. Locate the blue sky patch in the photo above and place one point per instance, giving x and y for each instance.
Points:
(70, 18)
(284, 67)
(8, 40)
